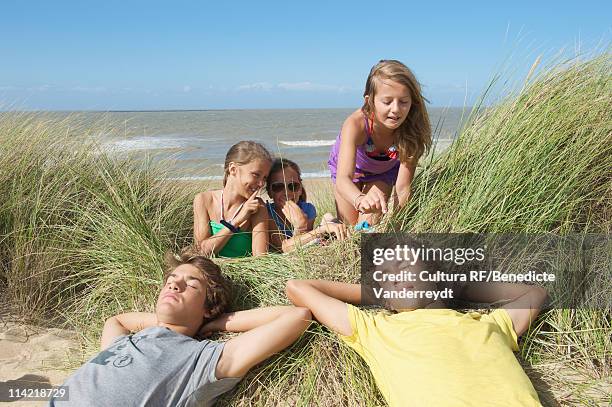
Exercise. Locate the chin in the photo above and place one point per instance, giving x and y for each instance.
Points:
(165, 308)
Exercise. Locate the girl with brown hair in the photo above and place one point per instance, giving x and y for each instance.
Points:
(233, 221)
(291, 216)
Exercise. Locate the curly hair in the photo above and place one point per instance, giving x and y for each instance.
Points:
(218, 295)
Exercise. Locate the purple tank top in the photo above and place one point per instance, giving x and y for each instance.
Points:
(367, 169)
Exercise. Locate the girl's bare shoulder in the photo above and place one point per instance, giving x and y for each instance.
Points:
(207, 200)
(206, 196)
(354, 128)
(355, 118)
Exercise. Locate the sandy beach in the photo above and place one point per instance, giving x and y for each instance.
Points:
(33, 357)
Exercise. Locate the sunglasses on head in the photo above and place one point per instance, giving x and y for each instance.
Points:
(280, 186)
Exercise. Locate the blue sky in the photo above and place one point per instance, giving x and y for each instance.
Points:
(133, 55)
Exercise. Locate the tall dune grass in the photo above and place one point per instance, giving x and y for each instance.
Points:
(82, 233)
(72, 215)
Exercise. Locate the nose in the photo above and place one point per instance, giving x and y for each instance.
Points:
(395, 107)
(174, 285)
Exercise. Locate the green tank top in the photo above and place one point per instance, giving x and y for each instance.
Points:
(239, 245)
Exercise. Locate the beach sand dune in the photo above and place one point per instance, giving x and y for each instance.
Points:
(33, 357)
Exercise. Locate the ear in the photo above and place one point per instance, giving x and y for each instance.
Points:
(232, 168)
(366, 99)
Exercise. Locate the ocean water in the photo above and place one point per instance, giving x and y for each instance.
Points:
(196, 142)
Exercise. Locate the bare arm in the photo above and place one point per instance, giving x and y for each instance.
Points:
(338, 230)
(303, 231)
(205, 241)
(289, 244)
(298, 230)
(524, 303)
(266, 332)
(404, 183)
(260, 231)
(353, 135)
(326, 300)
(123, 324)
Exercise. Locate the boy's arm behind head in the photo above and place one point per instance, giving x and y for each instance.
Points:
(525, 309)
(524, 301)
(326, 300)
(123, 324)
(270, 330)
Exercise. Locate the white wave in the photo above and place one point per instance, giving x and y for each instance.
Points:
(149, 143)
(305, 175)
(320, 174)
(308, 143)
(196, 178)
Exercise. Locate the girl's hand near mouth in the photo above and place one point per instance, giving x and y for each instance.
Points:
(295, 216)
(250, 206)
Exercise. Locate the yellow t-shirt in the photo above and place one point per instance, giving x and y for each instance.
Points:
(441, 357)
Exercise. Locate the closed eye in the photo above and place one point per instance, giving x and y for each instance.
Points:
(194, 283)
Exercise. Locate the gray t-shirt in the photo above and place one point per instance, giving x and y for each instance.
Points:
(154, 367)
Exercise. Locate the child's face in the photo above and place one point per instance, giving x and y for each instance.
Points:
(181, 300)
(392, 103)
(283, 188)
(418, 284)
(250, 177)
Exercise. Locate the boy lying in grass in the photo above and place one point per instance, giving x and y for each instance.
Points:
(162, 364)
(434, 356)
